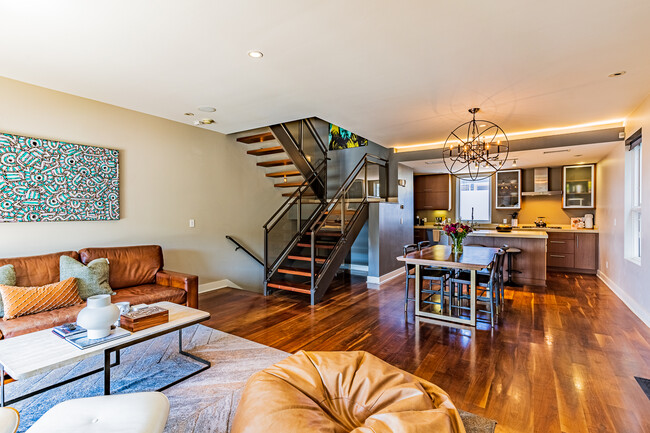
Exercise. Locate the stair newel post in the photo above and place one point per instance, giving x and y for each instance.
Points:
(299, 209)
(313, 261)
(266, 262)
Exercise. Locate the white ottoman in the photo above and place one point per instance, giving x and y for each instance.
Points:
(143, 412)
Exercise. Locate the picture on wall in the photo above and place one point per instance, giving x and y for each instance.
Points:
(48, 180)
(343, 139)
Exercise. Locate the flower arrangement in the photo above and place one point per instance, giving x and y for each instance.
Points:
(457, 232)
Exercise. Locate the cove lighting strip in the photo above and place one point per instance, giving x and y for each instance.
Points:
(524, 134)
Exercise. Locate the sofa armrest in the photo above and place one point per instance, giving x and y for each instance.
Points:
(187, 282)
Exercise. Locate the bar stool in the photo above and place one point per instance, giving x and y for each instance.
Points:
(509, 252)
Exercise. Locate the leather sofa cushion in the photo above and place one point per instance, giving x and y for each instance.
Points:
(339, 392)
(37, 270)
(129, 266)
(145, 294)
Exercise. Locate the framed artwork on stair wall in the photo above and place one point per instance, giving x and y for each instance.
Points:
(49, 180)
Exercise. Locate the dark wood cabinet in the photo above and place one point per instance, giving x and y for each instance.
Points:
(432, 192)
(572, 252)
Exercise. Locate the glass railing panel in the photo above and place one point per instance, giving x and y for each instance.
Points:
(281, 233)
(311, 147)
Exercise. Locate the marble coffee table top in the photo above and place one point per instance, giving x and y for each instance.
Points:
(32, 354)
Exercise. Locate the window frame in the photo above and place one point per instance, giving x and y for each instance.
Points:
(633, 195)
(489, 199)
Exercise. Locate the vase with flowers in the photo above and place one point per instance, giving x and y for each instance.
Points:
(457, 232)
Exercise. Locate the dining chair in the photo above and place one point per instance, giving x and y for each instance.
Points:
(489, 284)
(426, 274)
(423, 244)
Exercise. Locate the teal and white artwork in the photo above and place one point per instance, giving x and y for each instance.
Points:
(48, 180)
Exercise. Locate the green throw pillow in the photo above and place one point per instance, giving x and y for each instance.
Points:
(7, 278)
(91, 279)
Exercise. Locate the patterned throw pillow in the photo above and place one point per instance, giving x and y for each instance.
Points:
(21, 301)
(91, 279)
(8, 278)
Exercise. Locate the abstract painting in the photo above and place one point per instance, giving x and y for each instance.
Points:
(48, 180)
(343, 139)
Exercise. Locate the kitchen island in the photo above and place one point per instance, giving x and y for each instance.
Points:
(531, 261)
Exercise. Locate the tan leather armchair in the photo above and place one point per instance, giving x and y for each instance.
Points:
(338, 392)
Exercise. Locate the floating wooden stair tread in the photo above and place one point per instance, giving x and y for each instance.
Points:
(266, 151)
(288, 185)
(284, 173)
(294, 287)
(276, 163)
(294, 271)
(307, 259)
(257, 138)
(327, 233)
(324, 246)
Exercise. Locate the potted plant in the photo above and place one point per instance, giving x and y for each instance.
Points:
(457, 232)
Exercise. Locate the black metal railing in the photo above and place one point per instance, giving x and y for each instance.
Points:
(244, 249)
(290, 221)
(345, 207)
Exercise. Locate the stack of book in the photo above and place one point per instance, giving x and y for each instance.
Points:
(76, 335)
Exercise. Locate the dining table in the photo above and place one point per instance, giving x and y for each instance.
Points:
(471, 259)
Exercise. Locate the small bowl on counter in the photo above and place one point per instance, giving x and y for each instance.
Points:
(504, 228)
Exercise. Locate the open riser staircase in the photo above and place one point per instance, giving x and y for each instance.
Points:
(308, 238)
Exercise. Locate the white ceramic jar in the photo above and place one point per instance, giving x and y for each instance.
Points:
(98, 316)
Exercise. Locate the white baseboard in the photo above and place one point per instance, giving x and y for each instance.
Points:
(216, 285)
(386, 277)
(361, 270)
(637, 309)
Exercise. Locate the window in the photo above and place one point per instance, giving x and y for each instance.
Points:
(633, 173)
(474, 200)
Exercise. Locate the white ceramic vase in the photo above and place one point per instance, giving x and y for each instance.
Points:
(98, 316)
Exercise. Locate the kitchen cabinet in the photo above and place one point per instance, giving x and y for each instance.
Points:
(578, 190)
(572, 252)
(432, 192)
(508, 189)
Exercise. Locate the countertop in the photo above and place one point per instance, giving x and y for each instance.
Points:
(535, 234)
(563, 228)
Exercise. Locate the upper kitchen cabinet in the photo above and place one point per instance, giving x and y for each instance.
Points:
(578, 186)
(508, 189)
(433, 192)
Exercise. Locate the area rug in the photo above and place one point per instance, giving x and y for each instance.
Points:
(204, 403)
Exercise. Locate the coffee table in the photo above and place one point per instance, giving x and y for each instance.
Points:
(39, 352)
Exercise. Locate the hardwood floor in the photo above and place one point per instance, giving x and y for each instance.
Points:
(562, 359)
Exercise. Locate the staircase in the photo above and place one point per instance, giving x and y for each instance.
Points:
(273, 157)
(309, 236)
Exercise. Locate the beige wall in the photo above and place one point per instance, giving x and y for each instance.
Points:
(170, 173)
(628, 280)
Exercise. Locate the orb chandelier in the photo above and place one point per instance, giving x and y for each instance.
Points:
(476, 149)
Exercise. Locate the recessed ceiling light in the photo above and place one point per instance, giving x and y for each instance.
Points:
(207, 109)
(189, 114)
(255, 54)
(617, 74)
(204, 122)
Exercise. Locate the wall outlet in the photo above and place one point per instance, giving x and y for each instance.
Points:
(606, 264)
(614, 221)
(191, 223)
(401, 220)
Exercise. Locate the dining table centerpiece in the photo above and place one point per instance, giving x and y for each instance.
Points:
(457, 232)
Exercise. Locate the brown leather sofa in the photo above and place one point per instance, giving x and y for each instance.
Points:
(136, 275)
(340, 392)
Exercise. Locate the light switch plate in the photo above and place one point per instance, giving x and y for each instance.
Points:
(191, 223)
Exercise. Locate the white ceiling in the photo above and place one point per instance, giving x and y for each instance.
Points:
(394, 72)
(553, 157)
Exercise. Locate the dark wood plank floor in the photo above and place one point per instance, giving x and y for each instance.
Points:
(562, 359)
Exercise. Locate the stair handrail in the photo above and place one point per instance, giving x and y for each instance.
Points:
(284, 208)
(348, 182)
(339, 196)
(244, 249)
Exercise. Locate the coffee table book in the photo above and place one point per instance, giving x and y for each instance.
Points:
(81, 341)
(135, 321)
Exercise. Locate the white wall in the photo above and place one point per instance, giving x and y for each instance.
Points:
(628, 280)
(170, 173)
